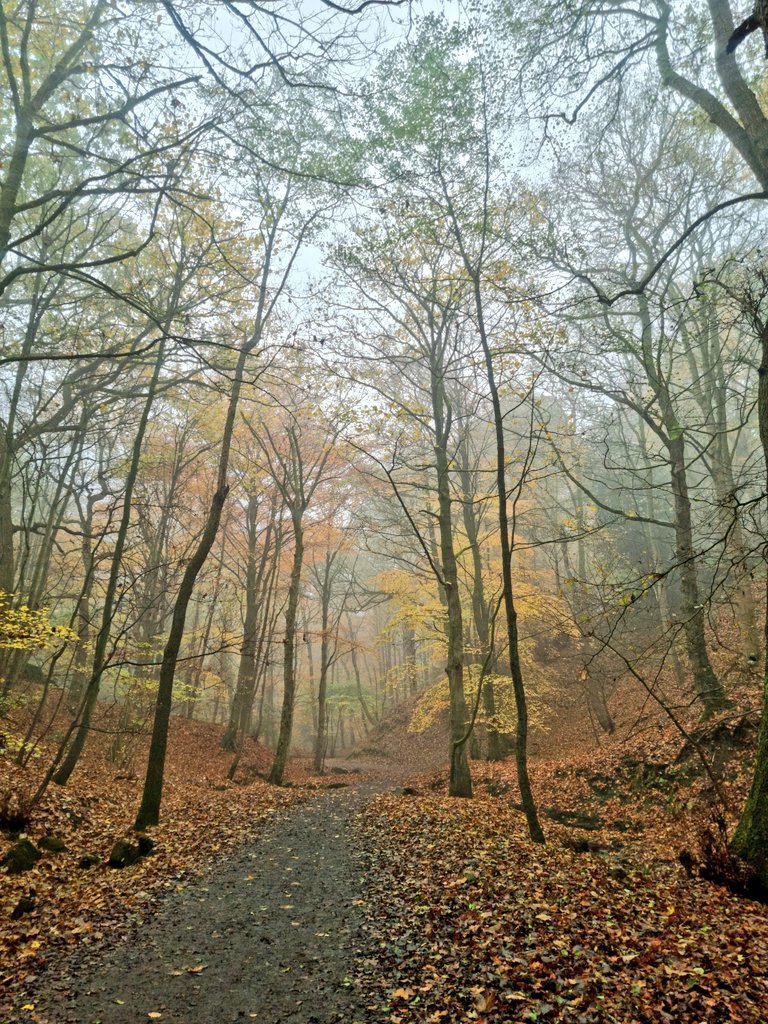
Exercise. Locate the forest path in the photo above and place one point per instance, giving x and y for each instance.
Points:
(270, 934)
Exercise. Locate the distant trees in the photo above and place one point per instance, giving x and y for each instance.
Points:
(333, 579)
(297, 452)
(264, 540)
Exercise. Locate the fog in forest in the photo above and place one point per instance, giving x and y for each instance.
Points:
(388, 383)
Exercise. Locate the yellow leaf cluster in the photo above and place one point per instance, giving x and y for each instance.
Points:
(434, 701)
(26, 629)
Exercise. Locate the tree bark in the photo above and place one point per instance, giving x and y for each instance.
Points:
(460, 779)
(7, 573)
(277, 771)
(750, 840)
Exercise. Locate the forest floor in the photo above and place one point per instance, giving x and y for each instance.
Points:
(355, 898)
(81, 916)
(610, 921)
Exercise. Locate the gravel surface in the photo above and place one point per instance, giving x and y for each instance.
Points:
(270, 935)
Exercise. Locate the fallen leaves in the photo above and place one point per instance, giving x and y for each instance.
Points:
(403, 993)
(474, 922)
(197, 969)
(76, 906)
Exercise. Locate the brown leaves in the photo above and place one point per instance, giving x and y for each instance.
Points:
(82, 906)
(475, 923)
(196, 969)
(403, 993)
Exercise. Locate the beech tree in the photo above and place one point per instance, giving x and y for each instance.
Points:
(467, 192)
(254, 337)
(405, 281)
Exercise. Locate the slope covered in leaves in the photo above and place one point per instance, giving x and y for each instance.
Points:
(474, 922)
(401, 750)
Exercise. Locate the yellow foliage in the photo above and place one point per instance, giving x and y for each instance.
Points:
(431, 704)
(26, 629)
(416, 605)
(434, 701)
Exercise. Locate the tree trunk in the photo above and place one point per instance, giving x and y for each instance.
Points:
(479, 604)
(246, 672)
(289, 656)
(708, 687)
(703, 346)
(322, 686)
(307, 640)
(80, 659)
(368, 718)
(582, 612)
(750, 840)
(196, 676)
(149, 810)
(409, 650)
(460, 779)
(730, 524)
(521, 703)
(474, 271)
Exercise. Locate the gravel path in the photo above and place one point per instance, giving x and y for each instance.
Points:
(270, 935)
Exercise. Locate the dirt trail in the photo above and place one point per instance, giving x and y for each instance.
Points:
(268, 935)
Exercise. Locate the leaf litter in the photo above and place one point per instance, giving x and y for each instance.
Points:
(465, 919)
(473, 922)
(204, 817)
